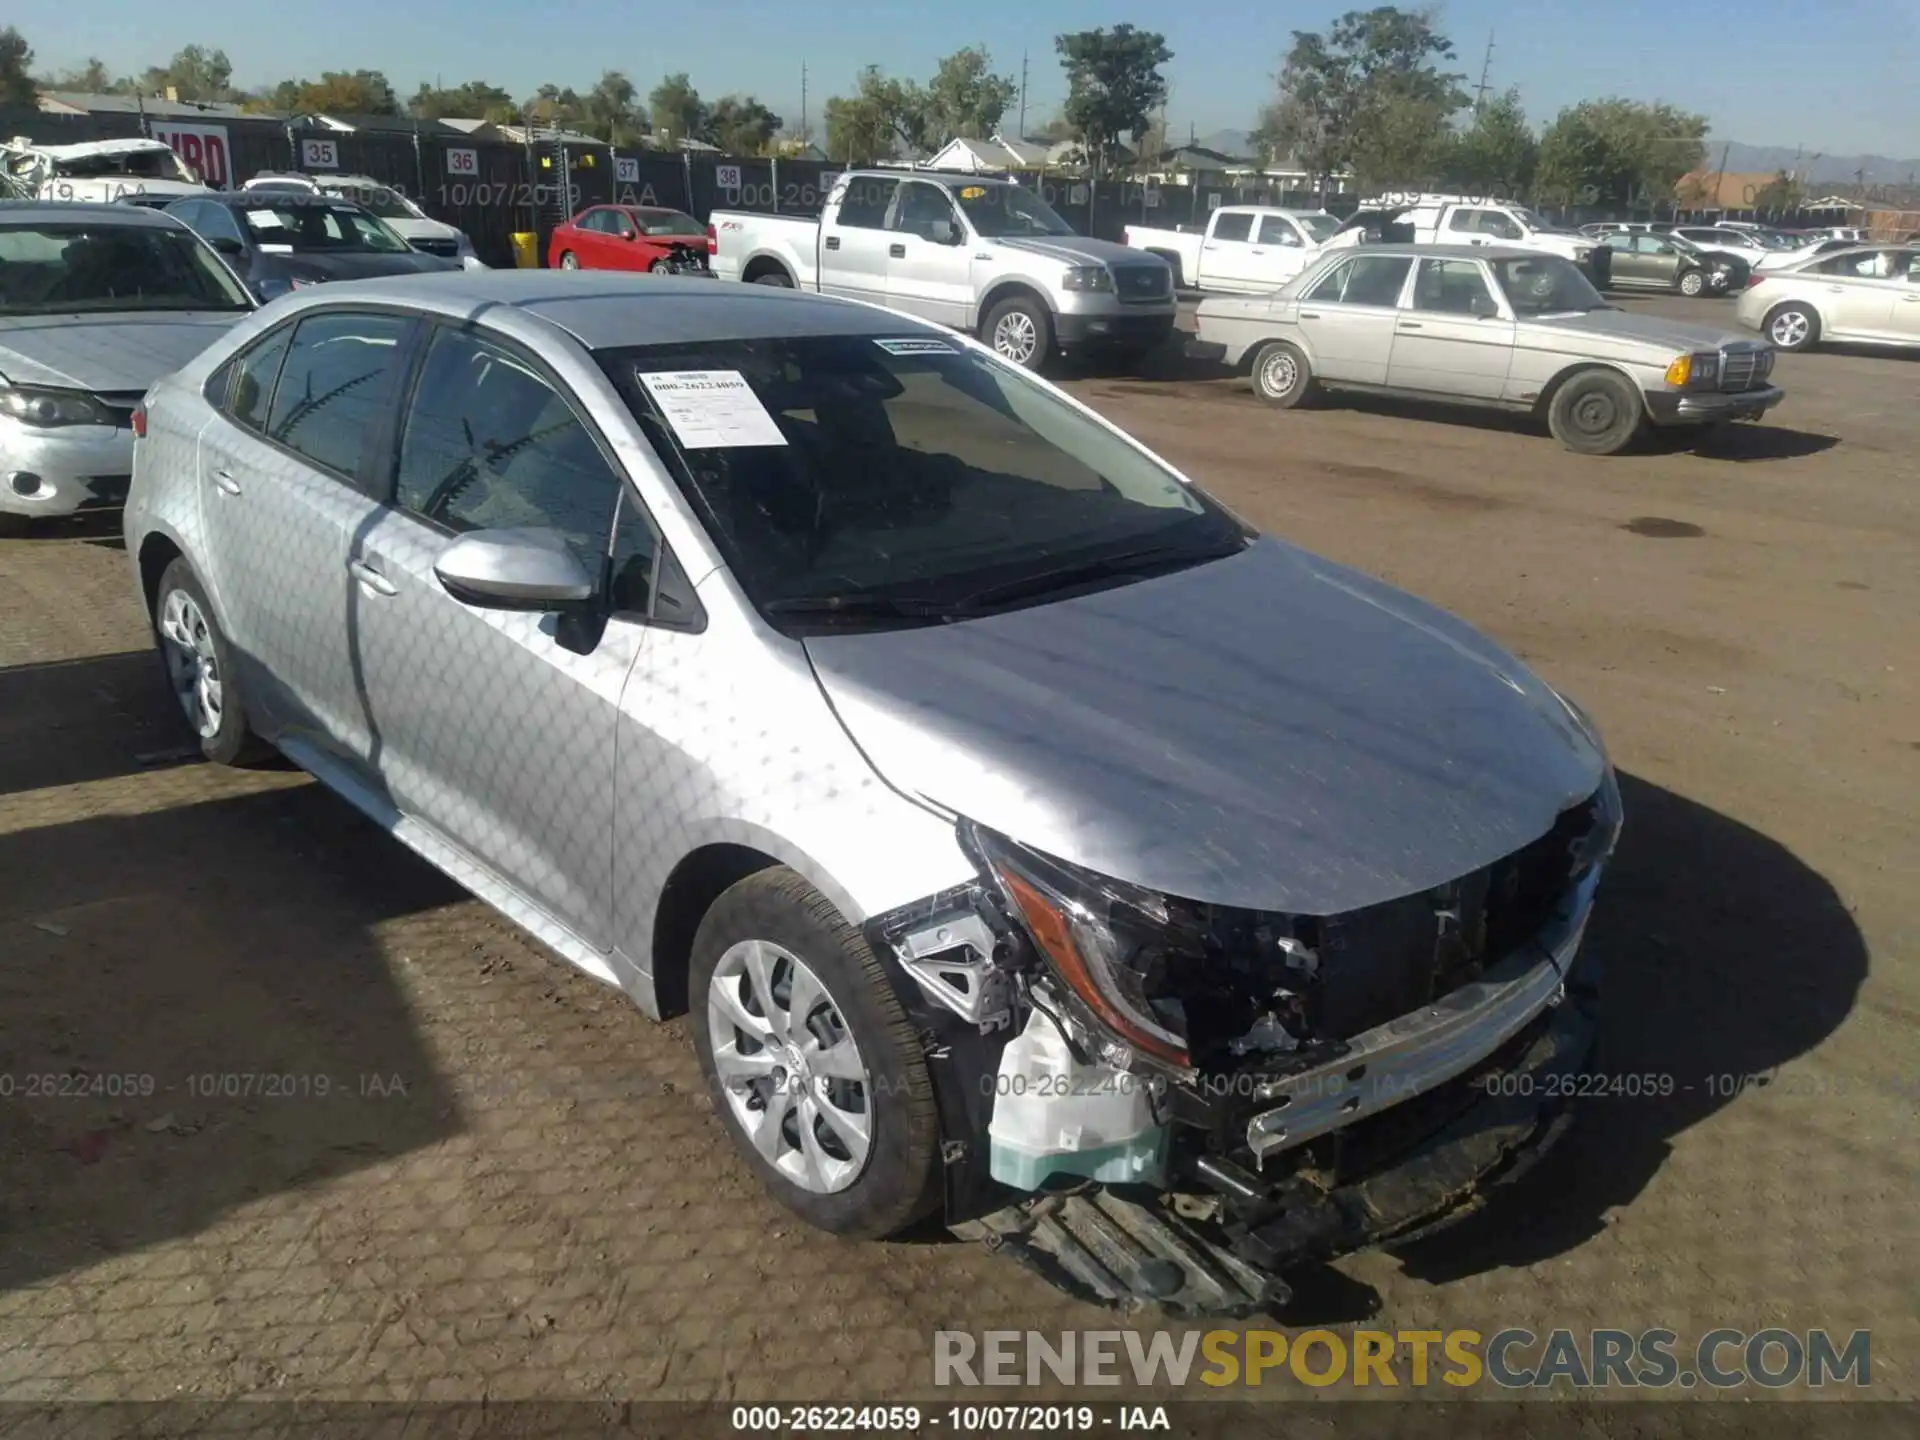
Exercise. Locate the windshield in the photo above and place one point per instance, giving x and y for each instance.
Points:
(69, 269)
(1008, 211)
(332, 228)
(1533, 220)
(1546, 285)
(670, 222)
(1320, 227)
(859, 472)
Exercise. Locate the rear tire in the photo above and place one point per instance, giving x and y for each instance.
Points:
(779, 279)
(569, 261)
(1281, 375)
(199, 667)
(790, 1003)
(1019, 330)
(1793, 326)
(1597, 412)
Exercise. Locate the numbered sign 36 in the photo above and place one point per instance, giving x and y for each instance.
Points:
(727, 177)
(626, 170)
(463, 162)
(320, 154)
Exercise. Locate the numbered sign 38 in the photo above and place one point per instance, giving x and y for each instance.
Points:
(463, 162)
(320, 154)
(727, 177)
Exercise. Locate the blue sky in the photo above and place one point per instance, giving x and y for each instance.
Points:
(1834, 75)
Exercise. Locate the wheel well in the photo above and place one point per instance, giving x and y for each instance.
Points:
(763, 265)
(697, 881)
(156, 553)
(1173, 259)
(1251, 356)
(1006, 290)
(1584, 367)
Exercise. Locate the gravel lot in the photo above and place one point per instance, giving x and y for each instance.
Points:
(514, 1186)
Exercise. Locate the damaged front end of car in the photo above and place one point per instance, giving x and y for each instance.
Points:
(1151, 1099)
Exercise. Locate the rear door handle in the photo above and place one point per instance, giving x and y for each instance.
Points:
(898, 252)
(225, 481)
(371, 579)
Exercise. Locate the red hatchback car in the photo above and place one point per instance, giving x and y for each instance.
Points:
(628, 237)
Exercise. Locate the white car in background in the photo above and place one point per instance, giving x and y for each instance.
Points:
(406, 219)
(1869, 294)
(99, 171)
(1243, 248)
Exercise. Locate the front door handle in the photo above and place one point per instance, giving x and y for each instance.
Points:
(1404, 325)
(833, 242)
(224, 481)
(1309, 314)
(898, 251)
(371, 579)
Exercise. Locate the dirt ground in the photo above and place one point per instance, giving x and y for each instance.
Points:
(514, 1187)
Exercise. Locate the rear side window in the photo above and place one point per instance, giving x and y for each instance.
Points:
(253, 379)
(334, 385)
(1233, 227)
(864, 205)
(1365, 280)
(1278, 230)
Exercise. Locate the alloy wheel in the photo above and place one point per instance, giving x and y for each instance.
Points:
(1015, 337)
(1788, 329)
(790, 1068)
(192, 662)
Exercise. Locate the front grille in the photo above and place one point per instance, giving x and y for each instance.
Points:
(437, 246)
(1141, 284)
(1738, 369)
(108, 489)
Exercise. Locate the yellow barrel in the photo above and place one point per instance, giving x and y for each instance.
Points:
(526, 250)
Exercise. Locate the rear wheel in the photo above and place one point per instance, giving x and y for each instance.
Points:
(1020, 330)
(779, 279)
(1792, 326)
(569, 261)
(199, 665)
(1597, 412)
(812, 1063)
(1281, 375)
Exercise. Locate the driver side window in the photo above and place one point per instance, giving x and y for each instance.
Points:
(922, 210)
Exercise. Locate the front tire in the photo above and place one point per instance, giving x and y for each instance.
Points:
(1792, 326)
(200, 673)
(1597, 412)
(1693, 283)
(659, 267)
(1019, 330)
(1281, 375)
(813, 1065)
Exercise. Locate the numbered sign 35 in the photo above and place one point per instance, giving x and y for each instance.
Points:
(463, 162)
(320, 154)
(626, 171)
(727, 177)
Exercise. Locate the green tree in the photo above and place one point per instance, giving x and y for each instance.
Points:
(1618, 152)
(336, 92)
(1401, 141)
(1371, 67)
(92, 78)
(16, 75)
(677, 109)
(1496, 153)
(965, 98)
(611, 109)
(195, 74)
(1114, 85)
(858, 133)
(475, 100)
(741, 125)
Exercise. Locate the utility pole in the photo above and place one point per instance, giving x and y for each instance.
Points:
(803, 103)
(1023, 95)
(1486, 69)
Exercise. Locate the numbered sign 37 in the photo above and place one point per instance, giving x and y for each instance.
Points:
(727, 177)
(320, 154)
(626, 170)
(463, 162)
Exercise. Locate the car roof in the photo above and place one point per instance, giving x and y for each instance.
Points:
(1451, 252)
(243, 199)
(37, 212)
(605, 310)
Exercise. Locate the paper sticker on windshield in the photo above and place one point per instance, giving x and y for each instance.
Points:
(973, 192)
(711, 409)
(276, 249)
(918, 347)
(264, 217)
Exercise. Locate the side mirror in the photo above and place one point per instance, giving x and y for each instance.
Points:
(629, 235)
(1483, 308)
(530, 569)
(943, 232)
(228, 245)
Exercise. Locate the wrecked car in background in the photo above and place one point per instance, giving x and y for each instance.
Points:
(99, 171)
(1031, 841)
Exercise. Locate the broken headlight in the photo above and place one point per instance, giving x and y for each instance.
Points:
(1173, 980)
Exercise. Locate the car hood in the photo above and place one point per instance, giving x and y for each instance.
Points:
(105, 353)
(1079, 250)
(1653, 330)
(1269, 730)
(355, 264)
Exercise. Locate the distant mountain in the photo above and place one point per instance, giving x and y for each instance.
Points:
(1237, 143)
(1816, 168)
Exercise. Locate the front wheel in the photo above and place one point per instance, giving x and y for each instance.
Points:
(659, 267)
(813, 1065)
(199, 666)
(1020, 330)
(1692, 283)
(1598, 412)
(1281, 375)
(1793, 327)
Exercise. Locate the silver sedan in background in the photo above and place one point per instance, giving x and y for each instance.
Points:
(1006, 810)
(1867, 295)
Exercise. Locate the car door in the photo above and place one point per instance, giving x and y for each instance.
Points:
(283, 497)
(494, 730)
(1657, 262)
(1348, 317)
(1227, 261)
(1859, 294)
(1906, 304)
(1452, 337)
(854, 240)
(929, 272)
(1279, 251)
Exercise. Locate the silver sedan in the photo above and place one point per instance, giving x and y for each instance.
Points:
(1006, 811)
(1867, 295)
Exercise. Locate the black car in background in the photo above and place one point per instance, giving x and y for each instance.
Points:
(279, 242)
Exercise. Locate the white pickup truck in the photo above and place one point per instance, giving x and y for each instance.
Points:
(1242, 248)
(985, 256)
(1469, 220)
